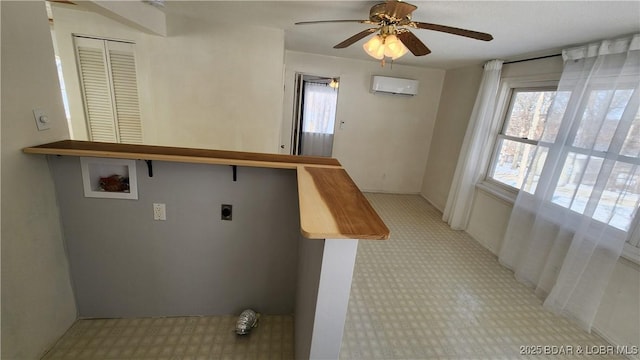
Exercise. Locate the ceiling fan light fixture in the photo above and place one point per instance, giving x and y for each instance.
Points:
(393, 19)
(381, 46)
(394, 48)
(375, 47)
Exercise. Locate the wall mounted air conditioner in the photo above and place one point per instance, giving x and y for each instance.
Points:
(391, 85)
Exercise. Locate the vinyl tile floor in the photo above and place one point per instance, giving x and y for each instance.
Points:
(175, 338)
(433, 293)
(427, 293)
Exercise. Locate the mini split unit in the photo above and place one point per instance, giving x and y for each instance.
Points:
(395, 86)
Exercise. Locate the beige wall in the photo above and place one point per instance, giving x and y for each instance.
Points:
(384, 141)
(618, 314)
(37, 300)
(488, 220)
(205, 85)
(618, 317)
(489, 214)
(458, 96)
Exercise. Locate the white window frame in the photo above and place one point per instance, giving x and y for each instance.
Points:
(507, 87)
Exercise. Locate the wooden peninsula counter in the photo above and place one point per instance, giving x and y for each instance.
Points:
(331, 205)
(333, 216)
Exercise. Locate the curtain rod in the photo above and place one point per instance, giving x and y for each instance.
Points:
(535, 58)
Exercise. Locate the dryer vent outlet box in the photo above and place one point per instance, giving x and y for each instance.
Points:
(394, 86)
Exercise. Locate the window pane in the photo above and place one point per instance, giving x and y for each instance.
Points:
(621, 197)
(631, 145)
(531, 182)
(575, 185)
(510, 167)
(528, 113)
(555, 116)
(615, 205)
(319, 112)
(600, 119)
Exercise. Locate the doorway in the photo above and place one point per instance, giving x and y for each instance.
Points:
(315, 104)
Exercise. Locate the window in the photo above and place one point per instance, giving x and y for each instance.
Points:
(599, 154)
(319, 108)
(109, 87)
(521, 131)
(603, 156)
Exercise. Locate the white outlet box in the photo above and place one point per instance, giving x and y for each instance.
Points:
(159, 212)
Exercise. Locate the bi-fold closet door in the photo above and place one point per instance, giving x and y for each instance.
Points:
(107, 72)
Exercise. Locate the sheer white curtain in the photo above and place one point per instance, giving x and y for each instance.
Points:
(318, 119)
(476, 149)
(579, 203)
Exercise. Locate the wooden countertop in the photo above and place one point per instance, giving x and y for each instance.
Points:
(331, 205)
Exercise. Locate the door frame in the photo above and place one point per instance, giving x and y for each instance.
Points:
(298, 106)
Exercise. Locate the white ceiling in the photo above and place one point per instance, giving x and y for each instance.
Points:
(520, 28)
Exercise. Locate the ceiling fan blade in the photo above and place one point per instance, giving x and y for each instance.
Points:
(417, 47)
(334, 21)
(452, 30)
(398, 9)
(354, 38)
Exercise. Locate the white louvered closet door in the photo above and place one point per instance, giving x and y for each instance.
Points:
(125, 91)
(108, 78)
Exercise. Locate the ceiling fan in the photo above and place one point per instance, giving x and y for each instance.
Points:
(392, 19)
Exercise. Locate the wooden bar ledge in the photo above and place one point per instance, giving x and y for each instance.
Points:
(331, 205)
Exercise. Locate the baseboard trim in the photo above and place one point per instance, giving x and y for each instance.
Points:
(431, 202)
(613, 341)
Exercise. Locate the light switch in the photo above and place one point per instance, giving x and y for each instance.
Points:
(42, 120)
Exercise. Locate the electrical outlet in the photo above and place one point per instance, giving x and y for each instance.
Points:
(159, 212)
(226, 212)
